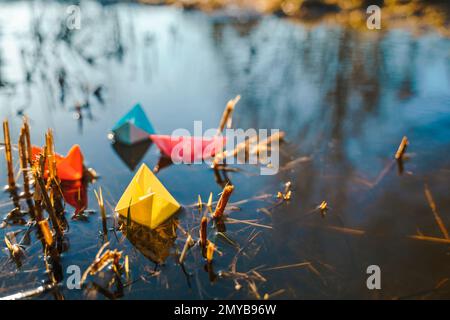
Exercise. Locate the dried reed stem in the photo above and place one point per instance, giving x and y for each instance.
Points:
(263, 144)
(50, 155)
(402, 148)
(23, 154)
(210, 252)
(26, 127)
(222, 203)
(101, 205)
(189, 243)
(200, 203)
(45, 229)
(8, 155)
(219, 157)
(51, 210)
(203, 232)
(227, 113)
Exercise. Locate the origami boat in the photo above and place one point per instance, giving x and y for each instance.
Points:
(188, 149)
(69, 167)
(146, 200)
(133, 127)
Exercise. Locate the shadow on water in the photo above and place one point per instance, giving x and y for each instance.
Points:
(344, 97)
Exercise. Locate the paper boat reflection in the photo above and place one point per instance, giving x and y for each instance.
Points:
(75, 194)
(131, 155)
(154, 244)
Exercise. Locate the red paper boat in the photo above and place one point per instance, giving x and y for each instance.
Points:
(188, 149)
(69, 167)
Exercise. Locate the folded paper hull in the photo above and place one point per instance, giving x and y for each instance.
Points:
(129, 134)
(146, 200)
(68, 168)
(188, 149)
(133, 127)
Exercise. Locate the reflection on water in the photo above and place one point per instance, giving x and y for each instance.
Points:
(131, 155)
(153, 244)
(344, 97)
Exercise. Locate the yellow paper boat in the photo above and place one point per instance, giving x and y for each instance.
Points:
(147, 200)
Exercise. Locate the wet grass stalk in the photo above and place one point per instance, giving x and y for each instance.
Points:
(49, 207)
(101, 205)
(227, 113)
(26, 129)
(46, 233)
(222, 203)
(402, 149)
(187, 245)
(24, 163)
(8, 155)
(203, 233)
(436, 215)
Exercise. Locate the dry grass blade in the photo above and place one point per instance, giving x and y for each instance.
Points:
(189, 243)
(288, 266)
(101, 262)
(355, 232)
(430, 239)
(231, 220)
(437, 217)
(268, 296)
(293, 163)
(200, 203)
(209, 204)
(12, 246)
(241, 147)
(30, 293)
(266, 142)
(101, 205)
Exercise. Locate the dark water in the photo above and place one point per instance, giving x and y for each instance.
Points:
(345, 98)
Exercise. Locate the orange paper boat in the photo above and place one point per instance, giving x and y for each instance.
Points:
(68, 168)
(188, 149)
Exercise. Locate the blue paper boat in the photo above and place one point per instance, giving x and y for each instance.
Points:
(133, 127)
